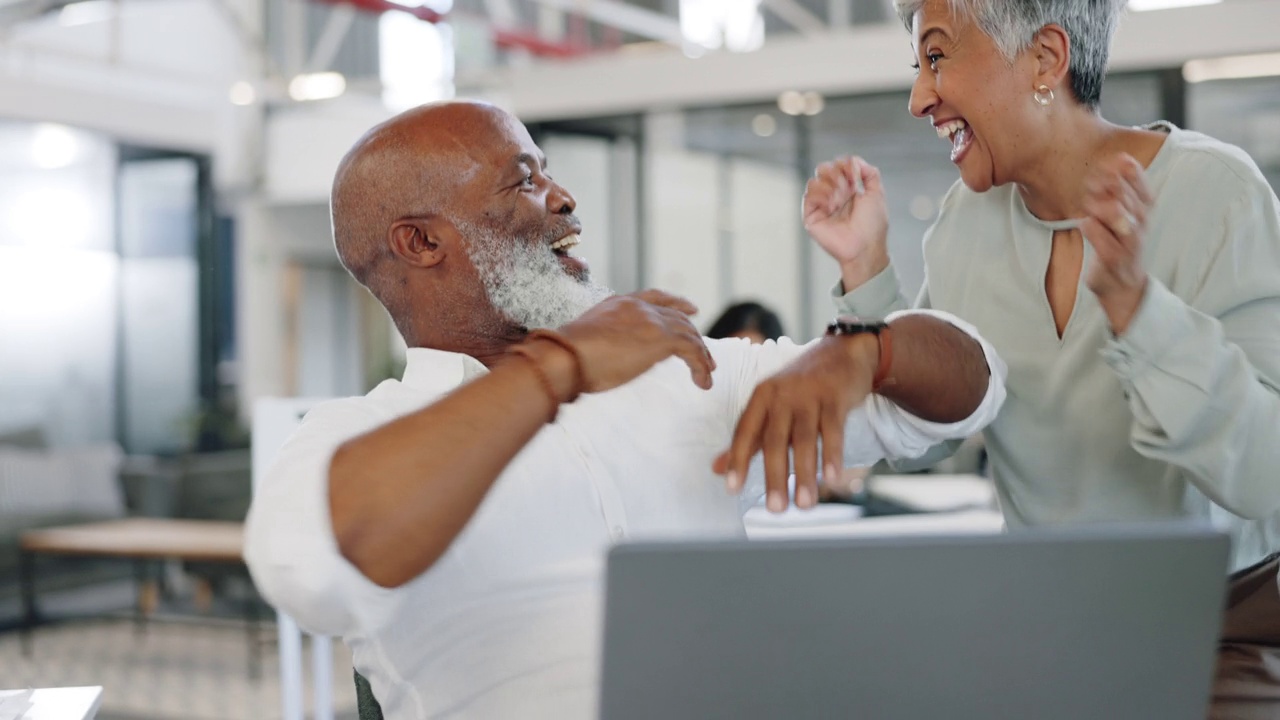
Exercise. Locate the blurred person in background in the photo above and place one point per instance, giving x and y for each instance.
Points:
(749, 320)
(1129, 276)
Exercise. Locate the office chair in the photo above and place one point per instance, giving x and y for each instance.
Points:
(274, 420)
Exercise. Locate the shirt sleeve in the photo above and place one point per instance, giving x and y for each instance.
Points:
(879, 428)
(289, 542)
(1202, 374)
(876, 298)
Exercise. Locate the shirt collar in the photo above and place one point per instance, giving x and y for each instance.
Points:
(430, 369)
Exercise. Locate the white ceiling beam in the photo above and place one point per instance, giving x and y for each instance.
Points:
(840, 13)
(551, 23)
(796, 15)
(502, 13)
(628, 18)
(335, 31)
(293, 32)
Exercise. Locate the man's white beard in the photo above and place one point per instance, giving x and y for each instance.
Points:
(527, 283)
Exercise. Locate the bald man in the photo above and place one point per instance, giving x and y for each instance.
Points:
(451, 526)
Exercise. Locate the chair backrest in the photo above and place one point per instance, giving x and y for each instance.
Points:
(274, 420)
(367, 707)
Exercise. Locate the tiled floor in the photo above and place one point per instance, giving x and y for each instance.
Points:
(175, 670)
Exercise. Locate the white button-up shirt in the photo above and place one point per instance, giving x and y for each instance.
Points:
(507, 622)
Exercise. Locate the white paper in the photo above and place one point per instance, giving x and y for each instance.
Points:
(935, 493)
(822, 514)
(976, 522)
(14, 704)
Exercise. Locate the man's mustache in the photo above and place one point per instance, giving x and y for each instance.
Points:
(567, 224)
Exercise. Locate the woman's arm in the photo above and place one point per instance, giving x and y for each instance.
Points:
(1202, 375)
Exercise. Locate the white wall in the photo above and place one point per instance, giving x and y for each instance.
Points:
(765, 235)
(682, 255)
(279, 245)
(58, 292)
(720, 229)
(304, 144)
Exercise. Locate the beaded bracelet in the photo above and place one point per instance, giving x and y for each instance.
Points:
(543, 380)
(522, 350)
(579, 368)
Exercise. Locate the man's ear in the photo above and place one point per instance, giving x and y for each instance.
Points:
(1052, 48)
(419, 241)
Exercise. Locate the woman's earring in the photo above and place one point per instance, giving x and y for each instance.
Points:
(1043, 95)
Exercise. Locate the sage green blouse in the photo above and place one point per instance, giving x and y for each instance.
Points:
(1180, 417)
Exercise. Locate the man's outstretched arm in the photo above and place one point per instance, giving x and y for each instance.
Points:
(941, 382)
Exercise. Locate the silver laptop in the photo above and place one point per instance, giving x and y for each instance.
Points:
(1103, 624)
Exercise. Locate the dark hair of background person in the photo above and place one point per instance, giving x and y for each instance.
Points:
(746, 317)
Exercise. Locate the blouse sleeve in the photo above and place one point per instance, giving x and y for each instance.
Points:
(1202, 374)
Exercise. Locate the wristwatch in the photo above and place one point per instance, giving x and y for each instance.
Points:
(852, 325)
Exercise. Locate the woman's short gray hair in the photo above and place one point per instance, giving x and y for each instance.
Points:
(1013, 24)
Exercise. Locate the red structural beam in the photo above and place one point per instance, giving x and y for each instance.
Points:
(515, 39)
(381, 6)
(506, 39)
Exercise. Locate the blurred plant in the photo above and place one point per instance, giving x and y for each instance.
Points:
(216, 425)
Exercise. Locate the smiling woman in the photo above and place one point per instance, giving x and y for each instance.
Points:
(1148, 394)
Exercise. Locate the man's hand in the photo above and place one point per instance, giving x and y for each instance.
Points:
(624, 336)
(1117, 201)
(845, 212)
(808, 399)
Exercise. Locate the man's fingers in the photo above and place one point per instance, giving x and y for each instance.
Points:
(693, 352)
(680, 323)
(776, 437)
(804, 451)
(688, 345)
(746, 441)
(831, 426)
(667, 300)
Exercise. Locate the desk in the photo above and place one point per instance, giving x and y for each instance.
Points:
(143, 538)
(136, 539)
(74, 703)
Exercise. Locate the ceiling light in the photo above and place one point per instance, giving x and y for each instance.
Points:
(1143, 5)
(317, 86)
(1232, 68)
(84, 13)
(791, 102)
(764, 125)
(54, 146)
(813, 103)
(242, 93)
